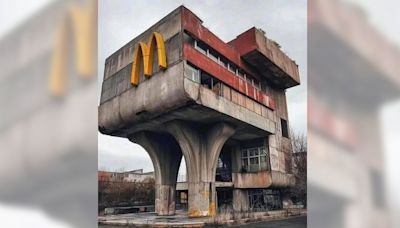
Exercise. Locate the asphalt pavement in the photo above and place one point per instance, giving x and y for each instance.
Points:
(297, 222)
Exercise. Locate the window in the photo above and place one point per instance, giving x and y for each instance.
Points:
(200, 47)
(212, 55)
(231, 68)
(192, 73)
(285, 130)
(223, 63)
(254, 159)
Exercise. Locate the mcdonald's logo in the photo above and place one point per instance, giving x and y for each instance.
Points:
(144, 53)
(78, 25)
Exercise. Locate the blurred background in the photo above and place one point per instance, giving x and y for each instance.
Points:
(353, 110)
(48, 113)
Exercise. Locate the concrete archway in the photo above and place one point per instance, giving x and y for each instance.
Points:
(201, 148)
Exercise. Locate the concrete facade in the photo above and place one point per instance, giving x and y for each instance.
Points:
(209, 105)
(345, 128)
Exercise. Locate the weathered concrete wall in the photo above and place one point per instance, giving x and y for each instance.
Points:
(120, 81)
(154, 96)
(262, 179)
(169, 26)
(209, 99)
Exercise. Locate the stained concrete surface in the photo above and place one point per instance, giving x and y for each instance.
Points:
(181, 220)
(297, 222)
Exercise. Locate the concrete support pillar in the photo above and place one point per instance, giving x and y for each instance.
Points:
(166, 156)
(201, 147)
(240, 200)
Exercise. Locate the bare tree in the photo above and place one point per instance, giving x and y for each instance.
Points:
(299, 162)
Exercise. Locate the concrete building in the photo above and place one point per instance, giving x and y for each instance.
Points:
(47, 121)
(138, 176)
(180, 91)
(130, 176)
(346, 172)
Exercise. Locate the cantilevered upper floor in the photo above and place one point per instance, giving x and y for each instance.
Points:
(178, 69)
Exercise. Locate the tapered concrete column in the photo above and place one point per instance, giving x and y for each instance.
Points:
(166, 156)
(201, 147)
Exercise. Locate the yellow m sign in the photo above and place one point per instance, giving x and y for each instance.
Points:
(144, 53)
(77, 26)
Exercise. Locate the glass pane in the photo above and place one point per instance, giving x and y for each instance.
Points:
(263, 151)
(244, 153)
(253, 161)
(254, 152)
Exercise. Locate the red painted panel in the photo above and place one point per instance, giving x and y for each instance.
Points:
(245, 42)
(206, 64)
(193, 25)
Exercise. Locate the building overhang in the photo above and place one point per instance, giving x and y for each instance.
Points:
(265, 56)
(263, 179)
(169, 96)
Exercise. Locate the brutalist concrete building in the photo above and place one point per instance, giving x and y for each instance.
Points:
(182, 93)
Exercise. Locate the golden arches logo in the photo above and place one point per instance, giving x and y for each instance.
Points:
(144, 53)
(78, 25)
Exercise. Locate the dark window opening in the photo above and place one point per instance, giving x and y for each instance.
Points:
(264, 199)
(211, 83)
(224, 198)
(285, 130)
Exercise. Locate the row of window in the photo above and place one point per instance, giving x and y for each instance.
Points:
(212, 83)
(202, 48)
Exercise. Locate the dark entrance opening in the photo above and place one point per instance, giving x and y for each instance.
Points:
(224, 198)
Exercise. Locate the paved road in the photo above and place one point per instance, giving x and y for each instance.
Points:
(298, 222)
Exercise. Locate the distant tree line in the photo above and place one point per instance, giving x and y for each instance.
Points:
(121, 193)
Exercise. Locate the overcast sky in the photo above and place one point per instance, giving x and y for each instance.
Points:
(283, 21)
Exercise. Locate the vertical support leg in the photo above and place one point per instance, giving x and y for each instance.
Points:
(166, 157)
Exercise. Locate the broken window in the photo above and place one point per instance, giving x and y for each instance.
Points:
(264, 199)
